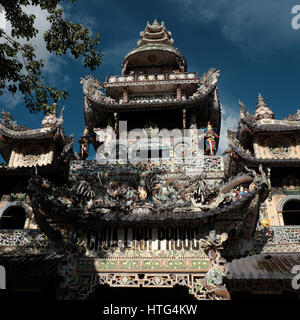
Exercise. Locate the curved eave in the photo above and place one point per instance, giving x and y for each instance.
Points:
(25, 170)
(124, 107)
(128, 84)
(177, 213)
(35, 134)
(268, 161)
(46, 163)
(270, 127)
(42, 133)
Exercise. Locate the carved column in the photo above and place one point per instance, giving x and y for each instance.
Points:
(213, 281)
(74, 286)
(178, 92)
(116, 123)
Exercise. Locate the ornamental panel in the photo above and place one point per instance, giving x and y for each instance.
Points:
(144, 264)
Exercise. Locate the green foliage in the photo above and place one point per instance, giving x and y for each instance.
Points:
(19, 67)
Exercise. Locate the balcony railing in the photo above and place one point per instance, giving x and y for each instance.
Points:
(152, 77)
(211, 164)
(279, 235)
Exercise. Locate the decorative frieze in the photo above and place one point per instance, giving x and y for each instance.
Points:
(23, 238)
(32, 154)
(204, 278)
(211, 164)
(131, 80)
(141, 264)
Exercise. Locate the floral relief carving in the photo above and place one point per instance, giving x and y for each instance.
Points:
(279, 147)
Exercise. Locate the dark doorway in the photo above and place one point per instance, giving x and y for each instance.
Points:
(13, 218)
(291, 213)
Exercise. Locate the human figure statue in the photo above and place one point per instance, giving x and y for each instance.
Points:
(240, 192)
(84, 142)
(210, 138)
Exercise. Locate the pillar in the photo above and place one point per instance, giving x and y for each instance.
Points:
(184, 118)
(116, 124)
(179, 94)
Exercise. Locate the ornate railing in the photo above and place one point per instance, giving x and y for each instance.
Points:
(23, 238)
(286, 190)
(152, 99)
(152, 77)
(279, 235)
(210, 163)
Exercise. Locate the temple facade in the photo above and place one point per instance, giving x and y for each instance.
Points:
(157, 209)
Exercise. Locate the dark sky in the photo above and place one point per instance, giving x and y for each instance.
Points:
(252, 42)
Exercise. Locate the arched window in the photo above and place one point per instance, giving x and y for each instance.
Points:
(291, 212)
(13, 218)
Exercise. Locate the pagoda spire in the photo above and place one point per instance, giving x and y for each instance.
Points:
(262, 111)
(155, 22)
(260, 101)
(155, 33)
(155, 49)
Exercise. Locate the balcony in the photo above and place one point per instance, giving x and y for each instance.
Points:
(137, 79)
(279, 235)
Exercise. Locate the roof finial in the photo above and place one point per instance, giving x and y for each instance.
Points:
(260, 101)
(262, 111)
(155, 22)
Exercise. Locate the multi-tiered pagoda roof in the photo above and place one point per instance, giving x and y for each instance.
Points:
(263, 139)
(155, 79)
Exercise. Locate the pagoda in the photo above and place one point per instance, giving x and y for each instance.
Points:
(157, 210)
(161, 222)
(263, 140)
(29, 260)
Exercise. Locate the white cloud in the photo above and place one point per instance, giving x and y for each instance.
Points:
(53, 63)
(230, 119)
(41, 24)
(259, 28)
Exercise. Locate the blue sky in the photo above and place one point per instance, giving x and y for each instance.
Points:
(252, 42)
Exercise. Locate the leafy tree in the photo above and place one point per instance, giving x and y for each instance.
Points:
(19, 67)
